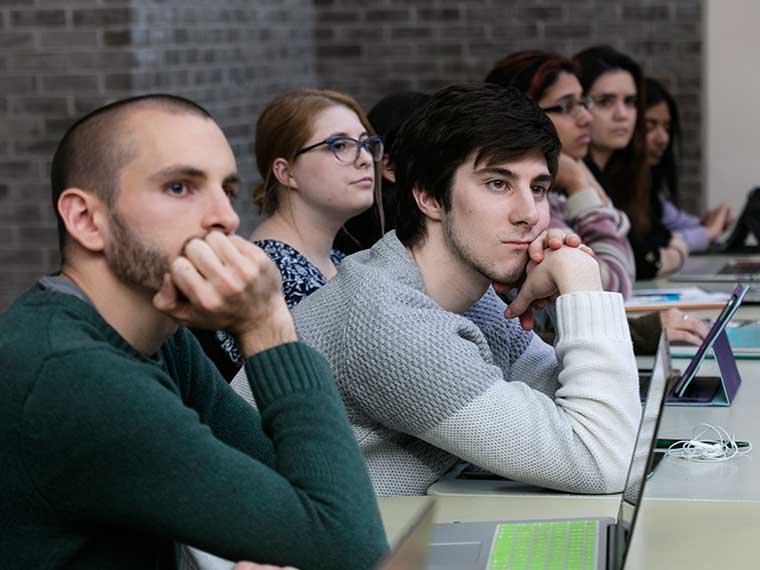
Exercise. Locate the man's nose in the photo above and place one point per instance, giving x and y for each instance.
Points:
(220, 215)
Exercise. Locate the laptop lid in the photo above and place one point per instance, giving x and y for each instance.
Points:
(643, 453)
(730, 375)
(411, 550)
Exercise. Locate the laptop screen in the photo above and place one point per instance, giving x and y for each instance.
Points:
(642, 455)
(717, 327)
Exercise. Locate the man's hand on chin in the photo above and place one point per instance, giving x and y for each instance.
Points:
(228, 283)
(558, 263)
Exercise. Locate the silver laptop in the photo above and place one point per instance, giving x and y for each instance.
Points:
(411, 550)
(598, 543)
(720, 269)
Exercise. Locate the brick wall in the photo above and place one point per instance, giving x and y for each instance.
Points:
(371, 49)
(59, 60)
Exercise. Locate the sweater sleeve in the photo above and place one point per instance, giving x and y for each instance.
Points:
(605, 230)
(446, 392)
(687, 226)
(118, 447)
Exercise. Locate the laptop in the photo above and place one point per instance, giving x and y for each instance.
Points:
(719, 269)
(411, 550)
(588, 544)
(690, 389)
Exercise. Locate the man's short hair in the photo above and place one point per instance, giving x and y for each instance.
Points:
(493, 123)
(95, 148)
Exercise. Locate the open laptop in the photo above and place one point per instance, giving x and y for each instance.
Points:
(593, 544)
(719, 269)
(411, 550)
(690, 389)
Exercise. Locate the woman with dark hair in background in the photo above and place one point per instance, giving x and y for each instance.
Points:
(618, 159)
(386, 117)
(581, 203)
(663, 134)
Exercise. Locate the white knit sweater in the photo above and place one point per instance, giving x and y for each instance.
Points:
(424, 386)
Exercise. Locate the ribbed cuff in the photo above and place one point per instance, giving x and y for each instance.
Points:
(286, 369)
(588, 314)
(581, 202)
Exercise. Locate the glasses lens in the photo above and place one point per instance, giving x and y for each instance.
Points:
(587, 103)
(344, 149)
(375, 147)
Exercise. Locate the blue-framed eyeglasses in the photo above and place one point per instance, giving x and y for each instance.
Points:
(571, 106)
(347, 149)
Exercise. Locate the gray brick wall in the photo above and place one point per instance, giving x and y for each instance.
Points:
(59, 59)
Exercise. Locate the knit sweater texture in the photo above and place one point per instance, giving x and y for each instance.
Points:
(424, 387)
(108, 458)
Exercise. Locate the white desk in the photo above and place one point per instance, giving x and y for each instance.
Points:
(735, 480)
(669, 535)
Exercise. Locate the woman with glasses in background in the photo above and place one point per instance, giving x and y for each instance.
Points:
(581, 202)
(663, 131)
(319, 161)
(618, 158)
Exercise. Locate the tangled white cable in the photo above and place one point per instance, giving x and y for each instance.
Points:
(722, 448)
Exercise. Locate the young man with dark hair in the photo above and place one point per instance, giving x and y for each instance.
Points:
(119, 439)
(429, 369)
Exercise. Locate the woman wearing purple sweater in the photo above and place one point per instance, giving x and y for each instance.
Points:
(663, 135)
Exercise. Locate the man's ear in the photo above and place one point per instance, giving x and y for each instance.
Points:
(281, 171)
(84, 216)
(427, 204)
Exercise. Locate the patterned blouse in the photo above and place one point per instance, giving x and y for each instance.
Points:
(300, 278)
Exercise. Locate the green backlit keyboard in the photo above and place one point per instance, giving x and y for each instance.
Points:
(560, 545)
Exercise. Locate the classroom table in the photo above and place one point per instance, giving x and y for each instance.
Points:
(669, 535)
(734, 480)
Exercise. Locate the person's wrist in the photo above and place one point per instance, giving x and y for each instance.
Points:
(256, 335)
(577, 271)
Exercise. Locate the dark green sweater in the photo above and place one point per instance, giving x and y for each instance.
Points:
(108, 459)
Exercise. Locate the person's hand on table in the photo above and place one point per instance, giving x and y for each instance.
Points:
(717, 220)
(558, 263)
(682, 327)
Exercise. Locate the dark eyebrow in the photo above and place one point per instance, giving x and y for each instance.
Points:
(184, 171)
(506, 173)
(232, 179)
(178, 171)
(543, 178)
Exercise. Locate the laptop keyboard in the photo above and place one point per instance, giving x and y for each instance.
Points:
(555, 545)
(747, 268)
(744, 337)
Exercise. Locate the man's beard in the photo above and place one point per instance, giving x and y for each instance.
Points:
(508, 274)
(133, 261)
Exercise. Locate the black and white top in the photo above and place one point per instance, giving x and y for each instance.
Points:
(300, 278)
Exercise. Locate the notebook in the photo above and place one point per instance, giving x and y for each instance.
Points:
(690, 389)
(587, 544)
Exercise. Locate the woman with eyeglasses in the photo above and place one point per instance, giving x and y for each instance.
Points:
(618, 158)
(663, 132)
(319, 161)
(582, 203)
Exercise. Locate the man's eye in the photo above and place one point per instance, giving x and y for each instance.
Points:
(231, 193)
(539, 190)
(177, 188)
(496, 184)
